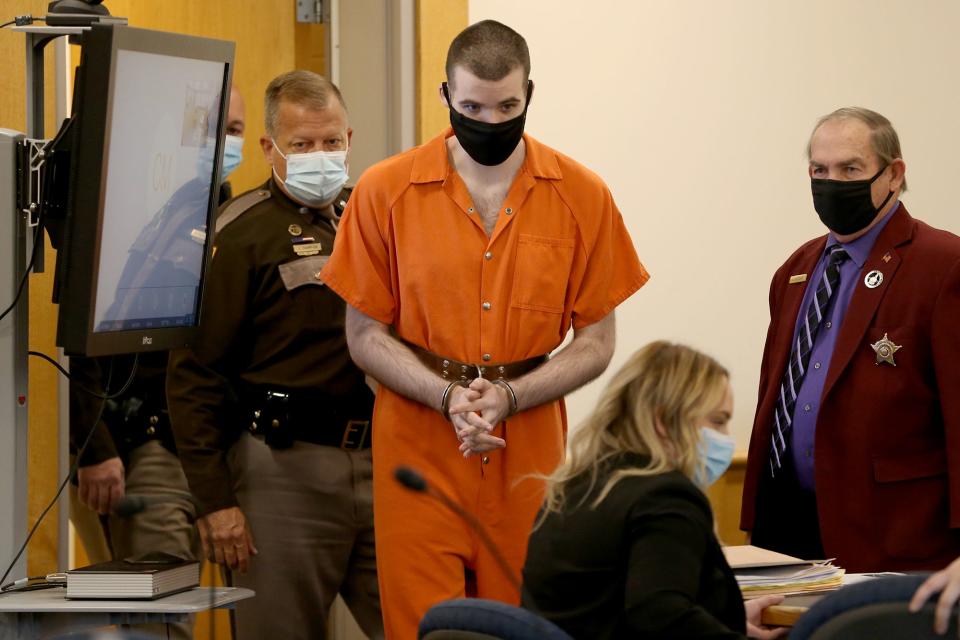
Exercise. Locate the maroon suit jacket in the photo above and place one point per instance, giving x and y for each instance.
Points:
(887, 450)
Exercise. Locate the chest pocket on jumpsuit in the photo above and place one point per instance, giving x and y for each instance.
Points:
(316, 305)
(542, 272)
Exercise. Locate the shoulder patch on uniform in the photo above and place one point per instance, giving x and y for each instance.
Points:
(240, 205)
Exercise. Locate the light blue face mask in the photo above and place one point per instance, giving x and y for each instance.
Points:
(232, 156)
(315, 178)
(716, 453)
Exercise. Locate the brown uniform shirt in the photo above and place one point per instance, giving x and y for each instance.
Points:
(267, 321)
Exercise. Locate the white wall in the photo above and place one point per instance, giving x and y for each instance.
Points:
(697, 113)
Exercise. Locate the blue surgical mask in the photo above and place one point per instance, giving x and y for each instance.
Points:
(315, 178)
(232, 155)
(716, 453)
(204, 166)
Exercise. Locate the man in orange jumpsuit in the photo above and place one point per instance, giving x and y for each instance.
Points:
(464, 262)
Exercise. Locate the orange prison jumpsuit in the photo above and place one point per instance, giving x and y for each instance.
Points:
(411, 252)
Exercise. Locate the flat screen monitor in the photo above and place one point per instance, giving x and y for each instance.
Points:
(145, 153)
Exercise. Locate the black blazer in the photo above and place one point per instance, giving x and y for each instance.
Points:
(644, 564)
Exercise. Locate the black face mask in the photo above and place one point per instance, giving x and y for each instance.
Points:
(488, 144)
(846, 206)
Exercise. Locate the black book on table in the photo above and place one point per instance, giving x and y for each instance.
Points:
(132, 580)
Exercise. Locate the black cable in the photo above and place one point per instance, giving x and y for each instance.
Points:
(66, 374)
(80, 452)
(23, 21)
(36, 586)
(37, 242)
(11, 585)
(34, 583)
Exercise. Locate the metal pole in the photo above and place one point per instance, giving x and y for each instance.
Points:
(13, 412)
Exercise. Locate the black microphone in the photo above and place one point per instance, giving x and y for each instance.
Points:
(132, 504)
(412, 480)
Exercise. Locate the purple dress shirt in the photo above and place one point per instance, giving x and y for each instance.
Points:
(811, 389)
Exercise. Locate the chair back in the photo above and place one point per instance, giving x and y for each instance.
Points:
(872, 609)
(478, 619)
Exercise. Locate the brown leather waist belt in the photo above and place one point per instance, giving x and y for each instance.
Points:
(451, 369)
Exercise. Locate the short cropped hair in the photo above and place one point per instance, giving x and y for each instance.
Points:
(299, 87)
(489, 50)
(883, 137)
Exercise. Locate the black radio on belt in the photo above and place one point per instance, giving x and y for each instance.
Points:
(272, 419)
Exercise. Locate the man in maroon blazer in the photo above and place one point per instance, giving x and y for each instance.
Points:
(855, 452)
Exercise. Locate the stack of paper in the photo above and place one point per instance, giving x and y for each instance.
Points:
(761, 572)
(773, 581)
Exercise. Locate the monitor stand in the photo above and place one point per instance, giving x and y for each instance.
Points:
(17, 227)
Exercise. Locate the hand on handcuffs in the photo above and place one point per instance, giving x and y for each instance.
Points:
(475, 410)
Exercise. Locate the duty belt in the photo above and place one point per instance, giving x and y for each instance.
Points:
(133, 422)
(451, 369)
(283, 417)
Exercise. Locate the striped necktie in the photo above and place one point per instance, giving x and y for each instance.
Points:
(800, 356)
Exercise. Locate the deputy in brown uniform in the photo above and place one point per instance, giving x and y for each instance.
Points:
(283, 483)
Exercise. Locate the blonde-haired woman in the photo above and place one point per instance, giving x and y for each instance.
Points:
(624, 546)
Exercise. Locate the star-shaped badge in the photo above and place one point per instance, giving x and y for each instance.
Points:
(884, 348)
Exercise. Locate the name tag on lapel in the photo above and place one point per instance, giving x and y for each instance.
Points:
(798, 278)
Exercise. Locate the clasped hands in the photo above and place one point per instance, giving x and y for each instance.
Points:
(475, 411)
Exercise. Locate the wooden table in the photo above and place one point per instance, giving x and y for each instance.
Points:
(789, 611)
